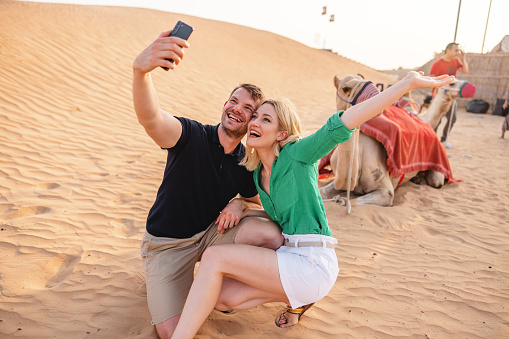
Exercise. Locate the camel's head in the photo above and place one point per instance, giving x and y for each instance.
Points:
(344, 87)
(452, 91)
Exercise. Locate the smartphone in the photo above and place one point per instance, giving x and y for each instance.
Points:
(181, 30)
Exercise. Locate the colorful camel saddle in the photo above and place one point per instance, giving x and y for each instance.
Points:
(411, 143)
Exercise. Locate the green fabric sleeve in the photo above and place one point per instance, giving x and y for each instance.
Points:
(312, 148)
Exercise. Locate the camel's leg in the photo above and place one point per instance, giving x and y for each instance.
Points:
(375, 186)
(435, 179)
(380, 197)
(328, 191)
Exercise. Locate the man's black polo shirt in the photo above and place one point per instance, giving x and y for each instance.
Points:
(199, 181)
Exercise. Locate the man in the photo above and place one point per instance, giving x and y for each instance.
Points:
(201, 178)
(453, 61)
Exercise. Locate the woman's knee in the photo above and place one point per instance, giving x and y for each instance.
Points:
(214, 256)
(210, 254)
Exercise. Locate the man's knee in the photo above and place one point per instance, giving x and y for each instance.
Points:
(260, 232)
(166, 328)
(275, 242)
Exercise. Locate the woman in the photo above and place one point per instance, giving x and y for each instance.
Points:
(285, 172)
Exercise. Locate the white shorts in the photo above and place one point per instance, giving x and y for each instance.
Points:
(307, 273)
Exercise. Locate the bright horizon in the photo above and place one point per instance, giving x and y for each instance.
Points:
(382, 35)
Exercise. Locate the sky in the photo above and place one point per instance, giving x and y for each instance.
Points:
(384, 35)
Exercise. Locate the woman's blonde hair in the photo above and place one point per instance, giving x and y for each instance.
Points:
(288, 121)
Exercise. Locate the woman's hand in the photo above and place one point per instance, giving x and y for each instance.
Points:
(360, 113)
(419, 80)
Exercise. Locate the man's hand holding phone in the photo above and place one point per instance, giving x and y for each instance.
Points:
(166, 51)
(182, 31)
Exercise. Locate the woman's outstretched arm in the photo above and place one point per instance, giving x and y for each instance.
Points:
(360, 113)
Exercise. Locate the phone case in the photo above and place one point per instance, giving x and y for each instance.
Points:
(181, 30)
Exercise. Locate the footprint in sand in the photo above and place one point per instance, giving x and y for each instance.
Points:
(125, 227)
(228, 327)
(5, 207)
(64, 265)
(466, 240)
(48, 186)
(27, 211)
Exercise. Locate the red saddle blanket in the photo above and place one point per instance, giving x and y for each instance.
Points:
(411, 143)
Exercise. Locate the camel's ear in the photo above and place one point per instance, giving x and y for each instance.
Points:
(336, 81)
(362, 76)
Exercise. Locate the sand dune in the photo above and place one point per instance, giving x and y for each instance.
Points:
(78, 175)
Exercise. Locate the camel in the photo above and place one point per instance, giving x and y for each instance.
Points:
(370, 177)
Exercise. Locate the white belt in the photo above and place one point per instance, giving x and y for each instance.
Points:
(309, 243)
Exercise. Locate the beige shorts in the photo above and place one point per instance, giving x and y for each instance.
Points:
(169, 268)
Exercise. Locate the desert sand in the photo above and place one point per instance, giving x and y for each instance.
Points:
(78, 175)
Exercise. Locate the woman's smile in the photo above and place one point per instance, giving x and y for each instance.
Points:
(263, 129)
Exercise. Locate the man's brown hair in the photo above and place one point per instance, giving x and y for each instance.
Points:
(255, 92)
(450, 45)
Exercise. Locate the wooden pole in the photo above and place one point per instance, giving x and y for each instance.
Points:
(488, 18)
(457, 20)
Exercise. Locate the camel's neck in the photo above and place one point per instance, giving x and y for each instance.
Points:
(439, 106)
(342, 160)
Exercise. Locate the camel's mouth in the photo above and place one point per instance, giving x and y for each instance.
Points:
(453, 92)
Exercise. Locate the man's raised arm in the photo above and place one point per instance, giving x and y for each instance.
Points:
(161, 126)
(464, 68)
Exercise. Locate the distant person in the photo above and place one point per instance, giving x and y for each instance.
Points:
(195, 206)
(505, 111)
(285, 168)
(453, 61)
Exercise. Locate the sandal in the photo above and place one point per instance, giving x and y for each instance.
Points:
(228, 311)
(300, 311)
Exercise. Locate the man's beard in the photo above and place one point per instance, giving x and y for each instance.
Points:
(234, 133)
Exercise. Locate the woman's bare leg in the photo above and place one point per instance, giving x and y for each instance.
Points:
(236, 295)
(254, 266)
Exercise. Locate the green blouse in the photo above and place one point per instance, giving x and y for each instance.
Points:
(295, 202)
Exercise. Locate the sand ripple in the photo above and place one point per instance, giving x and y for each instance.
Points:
(78, 176)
